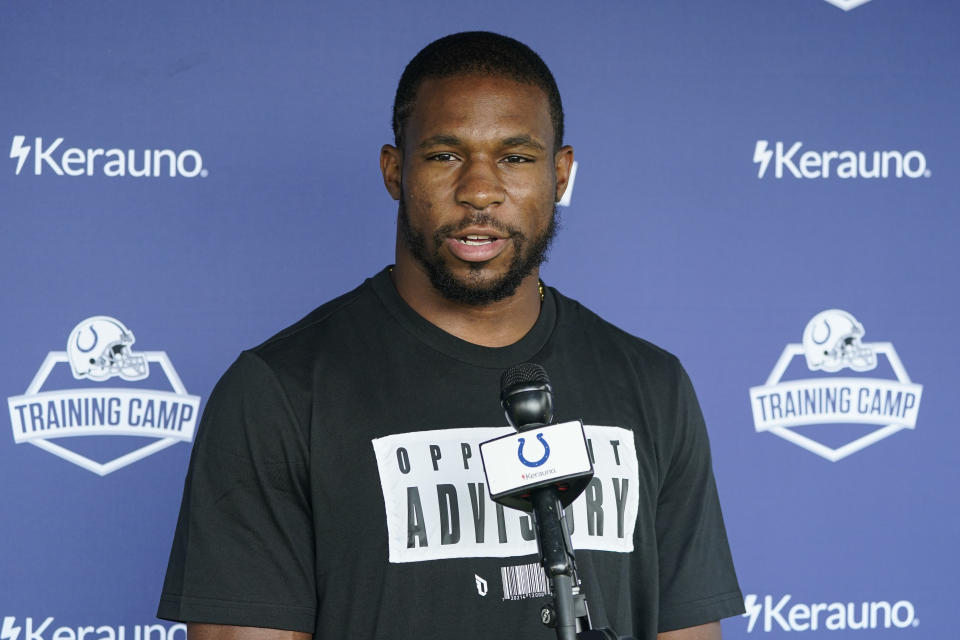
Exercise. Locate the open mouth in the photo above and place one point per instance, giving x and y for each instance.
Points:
(475, 241)
(476, 247)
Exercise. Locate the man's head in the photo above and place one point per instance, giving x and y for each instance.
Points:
(475, 53)
(477, 168)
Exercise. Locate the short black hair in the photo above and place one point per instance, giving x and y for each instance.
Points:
(479, 52)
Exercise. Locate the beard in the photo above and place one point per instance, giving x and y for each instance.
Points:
(528, 254)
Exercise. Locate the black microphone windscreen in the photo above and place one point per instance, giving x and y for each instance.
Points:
(523, 374)
(526, 395)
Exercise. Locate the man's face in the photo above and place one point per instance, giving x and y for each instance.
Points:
(478, 185)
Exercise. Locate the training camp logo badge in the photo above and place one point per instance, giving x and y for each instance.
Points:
(99, 349)
(831, 344)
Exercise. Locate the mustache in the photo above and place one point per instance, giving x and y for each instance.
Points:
(478, 219)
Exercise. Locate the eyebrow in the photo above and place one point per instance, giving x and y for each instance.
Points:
(523, 141)
(443, 139)
(440, 140)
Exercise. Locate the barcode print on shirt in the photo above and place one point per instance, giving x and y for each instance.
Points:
(524, 581)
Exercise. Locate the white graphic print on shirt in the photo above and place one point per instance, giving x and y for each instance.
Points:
(438, 506)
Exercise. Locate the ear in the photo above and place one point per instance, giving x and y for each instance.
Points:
(563, 163)
(391, 166)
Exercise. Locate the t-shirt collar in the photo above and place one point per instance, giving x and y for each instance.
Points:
(491, 357)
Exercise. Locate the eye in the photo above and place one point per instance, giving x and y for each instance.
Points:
(442, 157)
(517, 159)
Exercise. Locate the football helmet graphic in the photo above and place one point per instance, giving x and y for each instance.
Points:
(99, 349)
(831, 342)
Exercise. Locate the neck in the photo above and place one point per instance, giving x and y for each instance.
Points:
(497, 324)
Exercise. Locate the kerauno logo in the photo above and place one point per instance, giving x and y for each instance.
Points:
(112, 163)
(788, 160)
(771, 614)
(44, 630)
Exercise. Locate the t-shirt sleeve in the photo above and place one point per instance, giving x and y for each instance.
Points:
(243, 551)
(697, 579)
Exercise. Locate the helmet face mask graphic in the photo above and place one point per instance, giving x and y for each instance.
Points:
(99, 349)
(831, 342)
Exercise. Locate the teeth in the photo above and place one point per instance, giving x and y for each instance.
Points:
(474, 240)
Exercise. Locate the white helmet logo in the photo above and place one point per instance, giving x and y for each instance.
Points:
(831, 342)
(99, 349)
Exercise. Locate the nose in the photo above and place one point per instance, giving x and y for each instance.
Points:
(479, 185)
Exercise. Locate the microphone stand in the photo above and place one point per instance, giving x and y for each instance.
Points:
(568, 613)
(527, 400)
(556, 555)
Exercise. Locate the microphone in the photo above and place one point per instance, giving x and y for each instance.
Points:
(543, 482)
(541, 453)
(544, 485)
(526, 396)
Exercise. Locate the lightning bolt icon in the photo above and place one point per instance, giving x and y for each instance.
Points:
(20, 152)
(753, 610)
(762, 156)
(8, 631)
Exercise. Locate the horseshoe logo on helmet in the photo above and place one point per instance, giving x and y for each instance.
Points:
(813, 336)
(96, 339)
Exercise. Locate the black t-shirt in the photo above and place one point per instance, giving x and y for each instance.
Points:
(336, 488)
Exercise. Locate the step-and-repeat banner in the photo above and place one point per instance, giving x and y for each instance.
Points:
(767, 189)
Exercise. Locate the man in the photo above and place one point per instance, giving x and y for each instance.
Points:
(335, 487)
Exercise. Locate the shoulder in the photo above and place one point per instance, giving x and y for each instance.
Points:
(582, 328)
(293, 363)
(279, 376)
(333, 326)
(636, 383)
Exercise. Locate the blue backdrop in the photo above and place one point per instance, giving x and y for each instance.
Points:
(724, 197)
